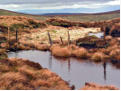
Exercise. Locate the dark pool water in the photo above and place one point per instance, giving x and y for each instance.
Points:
(74, 71)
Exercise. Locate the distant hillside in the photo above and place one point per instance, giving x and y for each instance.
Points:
(11, 13)
(61, 14)
(70, 16)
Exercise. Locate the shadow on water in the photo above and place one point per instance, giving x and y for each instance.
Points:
(69, 64)
(75, 71)
(104, 65)
(50, 61)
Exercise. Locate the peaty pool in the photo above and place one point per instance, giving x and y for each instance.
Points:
(75, 72)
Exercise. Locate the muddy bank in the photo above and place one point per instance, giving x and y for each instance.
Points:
(20, 74)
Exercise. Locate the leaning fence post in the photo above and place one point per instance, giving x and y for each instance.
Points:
(68, 38)
(50, 40)
(61, 40)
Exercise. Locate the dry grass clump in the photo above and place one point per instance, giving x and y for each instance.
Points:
(110, 48)
(21, 20)
(13, 76)
(10, 79)
(21, 86)
(39, 82)
(27, 72)
(93, 86)
(4, 68)
(98, 56)
(59, 51)
(23, 47)
(42, 47)
(80, 53)
(114, 53)
(3, 54)
(68, 51)
(113, 42)
(20, 74)
(21, 62)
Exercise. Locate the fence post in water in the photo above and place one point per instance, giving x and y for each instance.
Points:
(61, 40)
(50, 40)
(68, 38)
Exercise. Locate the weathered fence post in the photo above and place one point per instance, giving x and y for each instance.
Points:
(50, 40)
(16, 40)
(69, 64)
(8, 37)
(61, 40)
(104, 66)
(68, 38)
(104, 32)
(16, 36)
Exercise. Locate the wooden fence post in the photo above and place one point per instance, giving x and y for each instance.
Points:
(68, 38)
(16, 39)
(8, 37)
(50, 40)
(16, 36)
(61, 40)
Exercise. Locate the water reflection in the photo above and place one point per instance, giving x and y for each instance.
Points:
(50, 61)
(69, 64)
(74, 71)
(16, 54)
(104, 66)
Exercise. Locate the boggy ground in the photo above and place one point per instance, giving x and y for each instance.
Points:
(102, 51)
(32, 35)
(20, 74)
(37, 38)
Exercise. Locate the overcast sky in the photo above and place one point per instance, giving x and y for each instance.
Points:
(56, 6)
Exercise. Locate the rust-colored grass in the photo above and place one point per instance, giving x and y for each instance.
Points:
(20, 74)
(94, 86)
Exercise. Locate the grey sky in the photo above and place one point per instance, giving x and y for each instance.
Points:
(55, 4)
(50, 1)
